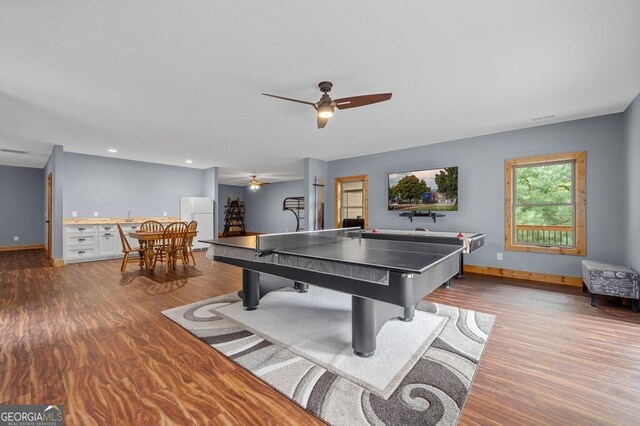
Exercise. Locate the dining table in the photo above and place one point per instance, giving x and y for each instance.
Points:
(148, 239)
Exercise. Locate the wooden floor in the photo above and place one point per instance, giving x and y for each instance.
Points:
(83, 336)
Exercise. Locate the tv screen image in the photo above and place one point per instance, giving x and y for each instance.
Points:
(431, 189)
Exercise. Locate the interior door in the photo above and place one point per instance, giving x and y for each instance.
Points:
(49, 214)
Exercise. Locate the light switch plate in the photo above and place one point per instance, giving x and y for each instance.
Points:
(95, 214)
(16, 238)
(164, 214)
(499, 256)
(74, 214)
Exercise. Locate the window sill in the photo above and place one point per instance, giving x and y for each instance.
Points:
(571, 251)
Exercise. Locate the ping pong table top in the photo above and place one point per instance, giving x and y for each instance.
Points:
(419, 233)
(343, 246)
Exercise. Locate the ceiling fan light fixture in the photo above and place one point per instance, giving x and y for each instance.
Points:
(325, 112)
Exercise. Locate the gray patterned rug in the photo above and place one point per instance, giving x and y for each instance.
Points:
(432, 392)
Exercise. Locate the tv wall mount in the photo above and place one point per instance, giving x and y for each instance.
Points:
(421, 213)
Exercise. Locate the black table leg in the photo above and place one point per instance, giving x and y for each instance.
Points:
(301, 287)
(461, 271)
(409, 313)
(363, 326)
(250, 289)
(367, 318)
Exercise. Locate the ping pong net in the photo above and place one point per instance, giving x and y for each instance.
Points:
(269, 243)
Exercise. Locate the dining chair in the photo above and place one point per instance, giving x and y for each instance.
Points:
(188, 247)
(151, 226)
(127, 250)
(171, 246)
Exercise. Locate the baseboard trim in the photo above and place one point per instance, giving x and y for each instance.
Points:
(525, 275)
(57, 262)
(23, 247)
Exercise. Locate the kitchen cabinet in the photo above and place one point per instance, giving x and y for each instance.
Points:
(109, 244)
(87, 242)
(80, 243)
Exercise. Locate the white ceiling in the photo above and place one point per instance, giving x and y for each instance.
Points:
(166, 81)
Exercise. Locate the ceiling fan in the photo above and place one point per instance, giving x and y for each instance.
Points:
(325, 106)
(255, 183)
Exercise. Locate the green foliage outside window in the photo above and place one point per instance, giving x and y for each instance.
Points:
(544, 194)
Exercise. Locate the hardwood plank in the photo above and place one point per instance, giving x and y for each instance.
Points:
(83, 336)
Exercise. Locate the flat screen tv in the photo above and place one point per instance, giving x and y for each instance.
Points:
(431, 189)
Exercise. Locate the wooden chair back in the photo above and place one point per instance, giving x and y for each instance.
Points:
(192, 227)
(174, 235)
(126, 247)
(151, 226)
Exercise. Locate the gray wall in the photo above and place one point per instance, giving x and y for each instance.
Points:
(481, 188)
(225, 191)
(632, 154)
(264, 207)
(211, 190)
(55, 166)
(113, 187)
(313, 169)
(21, 206)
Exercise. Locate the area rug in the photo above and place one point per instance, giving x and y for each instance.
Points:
(429, 388)
(316, 325)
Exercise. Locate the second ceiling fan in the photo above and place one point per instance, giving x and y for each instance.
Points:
(254, 183)
(325, 106)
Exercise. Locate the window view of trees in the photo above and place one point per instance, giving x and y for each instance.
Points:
(544, 204)
(424, 190)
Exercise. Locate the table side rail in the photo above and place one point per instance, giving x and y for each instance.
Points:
(359, 272)
(475, 242)
(402, 289)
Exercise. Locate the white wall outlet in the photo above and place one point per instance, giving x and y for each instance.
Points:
(74, 214)
(95, 214)
(164, 214)
(16, 238)
(499, 256)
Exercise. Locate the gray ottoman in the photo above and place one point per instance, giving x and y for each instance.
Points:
(610, 279)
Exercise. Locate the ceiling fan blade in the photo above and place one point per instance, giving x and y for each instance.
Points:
(292, 100)
(322, 122)
(358, 101)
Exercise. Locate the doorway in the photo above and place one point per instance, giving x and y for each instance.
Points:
(351, 199)
(49, 216)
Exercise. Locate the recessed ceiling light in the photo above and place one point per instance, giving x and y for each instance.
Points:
(545, 117)
(13, 151)
(189, 161)
(113, 150)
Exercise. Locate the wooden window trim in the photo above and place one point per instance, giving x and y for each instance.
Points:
(580, 159)
(337, 202)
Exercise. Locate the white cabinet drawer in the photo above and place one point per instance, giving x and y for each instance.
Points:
(74, 254)
(108, 228)
(130, 227)
(108, 244)
(81, 240)
(80, 229)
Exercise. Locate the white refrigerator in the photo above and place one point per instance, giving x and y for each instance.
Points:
(202, 210)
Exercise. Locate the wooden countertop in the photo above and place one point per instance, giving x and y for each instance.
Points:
(103, 220)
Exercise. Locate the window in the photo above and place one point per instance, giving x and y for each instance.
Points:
(351, 199)
(545, 204)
